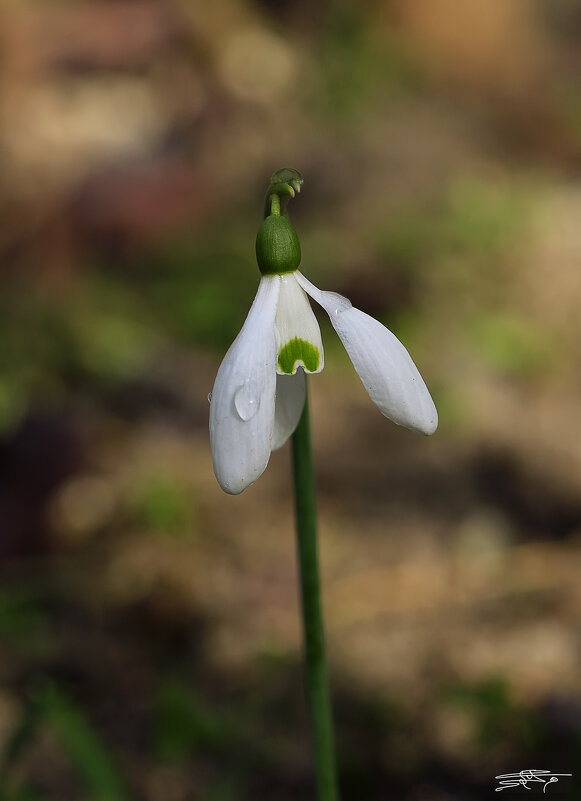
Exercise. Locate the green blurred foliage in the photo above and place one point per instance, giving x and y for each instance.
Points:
(185, 724)
(50, 707)
(104, 330)
(498, 718)
(165, 508)
(482, 216)
(23, 621)
(511, 344)
(473, 217)
(84, 748)
(359, 66)
(195, 289)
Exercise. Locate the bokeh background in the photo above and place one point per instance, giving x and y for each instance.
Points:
(149, 628)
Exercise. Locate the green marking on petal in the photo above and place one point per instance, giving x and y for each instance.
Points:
(298, 350)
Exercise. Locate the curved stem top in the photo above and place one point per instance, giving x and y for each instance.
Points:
(284, 184)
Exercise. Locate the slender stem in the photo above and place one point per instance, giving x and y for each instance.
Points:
(275, 205)
(316, 667)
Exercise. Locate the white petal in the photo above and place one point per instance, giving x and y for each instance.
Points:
(242, 404)
(298, 336)
(381, 361)
(290, 400)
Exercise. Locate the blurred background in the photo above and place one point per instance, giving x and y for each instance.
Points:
(149, 628)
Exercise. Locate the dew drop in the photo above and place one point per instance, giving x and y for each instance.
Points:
(209, 397)
(246, 401)
(336, 304)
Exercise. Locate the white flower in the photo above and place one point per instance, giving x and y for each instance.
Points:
(259, 391)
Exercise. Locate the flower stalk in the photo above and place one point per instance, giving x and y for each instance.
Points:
(317, 684)
(260, 400)
(280, 247)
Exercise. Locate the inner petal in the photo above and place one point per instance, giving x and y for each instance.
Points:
(298, 337)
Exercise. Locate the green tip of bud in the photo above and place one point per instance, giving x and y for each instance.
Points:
(277, 246)
(286, 180)
(284, 184)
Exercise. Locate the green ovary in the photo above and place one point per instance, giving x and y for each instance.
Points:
(297, 350)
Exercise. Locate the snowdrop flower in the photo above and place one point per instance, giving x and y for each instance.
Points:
(259, 392)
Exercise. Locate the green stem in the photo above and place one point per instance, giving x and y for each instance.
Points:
(275, 205)
(316, 666)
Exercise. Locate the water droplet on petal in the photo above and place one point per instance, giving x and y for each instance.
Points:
(209, 397)
(336, 304)
(246, 401)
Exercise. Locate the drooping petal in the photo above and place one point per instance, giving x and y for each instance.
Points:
(298, 336)
(290, 399)
(242, 401)
(381, 361)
